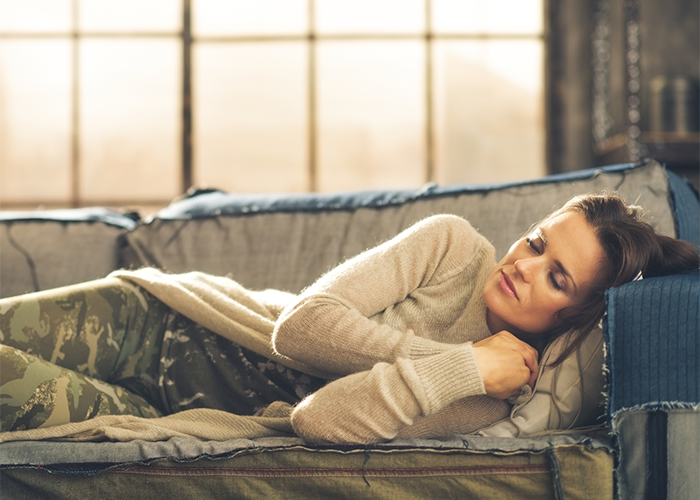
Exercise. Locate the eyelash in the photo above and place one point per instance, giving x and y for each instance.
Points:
(534, 248)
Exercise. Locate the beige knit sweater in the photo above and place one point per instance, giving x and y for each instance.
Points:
(397, 322)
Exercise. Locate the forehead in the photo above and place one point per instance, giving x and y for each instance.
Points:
(573, 242)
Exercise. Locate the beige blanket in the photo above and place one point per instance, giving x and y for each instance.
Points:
(225, 307)
(204, 424)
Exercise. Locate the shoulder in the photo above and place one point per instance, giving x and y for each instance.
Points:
(446, 221)
(452, 228)
(450, 244)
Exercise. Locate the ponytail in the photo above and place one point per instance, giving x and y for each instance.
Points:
(675, 256)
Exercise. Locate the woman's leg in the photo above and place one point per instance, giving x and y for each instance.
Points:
(81, 327)
(201, 369)
(118, 333)
(35, 393)
(69, 341)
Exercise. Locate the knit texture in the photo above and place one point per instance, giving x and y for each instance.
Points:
(401, 318)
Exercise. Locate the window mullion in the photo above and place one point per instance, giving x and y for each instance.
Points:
(187, 177)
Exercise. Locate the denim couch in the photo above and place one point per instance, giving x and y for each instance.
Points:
(649, 445)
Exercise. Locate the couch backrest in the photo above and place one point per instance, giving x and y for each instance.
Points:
(287, 241)
(47, 249)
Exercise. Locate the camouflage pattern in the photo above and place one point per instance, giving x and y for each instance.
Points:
(67, 350)
(36, 393)
(108, 347)
(204, 370)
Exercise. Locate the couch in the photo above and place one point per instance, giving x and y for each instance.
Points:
(644, 442)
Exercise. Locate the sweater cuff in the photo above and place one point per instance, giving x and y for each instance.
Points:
(439, 380)
(422, 348)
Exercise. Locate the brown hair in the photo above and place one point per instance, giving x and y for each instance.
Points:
(631, 246)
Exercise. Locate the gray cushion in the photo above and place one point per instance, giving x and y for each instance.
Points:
(46, 249)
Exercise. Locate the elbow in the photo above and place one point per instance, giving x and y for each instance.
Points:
(284, 341)
(280, 343)
(317, 423)
(308, 425)
(287, 336)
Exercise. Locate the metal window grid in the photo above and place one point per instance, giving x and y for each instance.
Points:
(188, 40)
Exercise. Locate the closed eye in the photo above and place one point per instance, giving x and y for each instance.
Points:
(533, 245)
(555, 283)
(538, 245)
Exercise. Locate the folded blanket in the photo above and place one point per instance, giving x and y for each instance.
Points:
(204, 424)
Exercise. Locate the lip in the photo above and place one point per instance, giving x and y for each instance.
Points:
(507, 285)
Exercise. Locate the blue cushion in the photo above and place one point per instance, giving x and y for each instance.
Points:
(654, 344)
(686, 207)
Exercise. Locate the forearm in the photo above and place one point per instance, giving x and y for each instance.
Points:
(376, 405)
(464, 416)
(335, 337)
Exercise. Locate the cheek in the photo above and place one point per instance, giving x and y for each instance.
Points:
(547, 305)
(487, 294)
(540, 320)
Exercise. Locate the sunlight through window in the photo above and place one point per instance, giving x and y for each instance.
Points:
(129, 103)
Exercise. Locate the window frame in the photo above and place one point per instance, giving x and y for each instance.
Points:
(311, 38)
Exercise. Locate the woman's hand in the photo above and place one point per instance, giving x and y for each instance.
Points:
(506, 364)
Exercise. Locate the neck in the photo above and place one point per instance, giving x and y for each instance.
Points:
(496, 324)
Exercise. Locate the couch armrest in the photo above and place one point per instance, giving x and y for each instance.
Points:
(652, 330)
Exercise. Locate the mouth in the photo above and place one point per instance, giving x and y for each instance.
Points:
(507, 285)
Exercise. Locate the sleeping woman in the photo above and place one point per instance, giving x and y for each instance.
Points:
(424, 335)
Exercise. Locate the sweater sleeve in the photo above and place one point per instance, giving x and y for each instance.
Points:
(331, 327)
(375, 405)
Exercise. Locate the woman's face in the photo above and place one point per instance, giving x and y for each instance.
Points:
(552, 268)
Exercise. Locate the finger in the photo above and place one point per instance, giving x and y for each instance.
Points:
(528, 353)
(531, 362)
(530, 356)
(533, 379)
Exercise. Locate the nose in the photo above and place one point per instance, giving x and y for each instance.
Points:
(526, 267)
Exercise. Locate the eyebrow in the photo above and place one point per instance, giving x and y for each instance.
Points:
(558, 263)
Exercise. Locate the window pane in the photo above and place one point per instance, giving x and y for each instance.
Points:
(130, 15)
(130, 119)
(493, 16)
(371, 107)
(249, 17)
(35, 16)
(370, 16)
(35, 120)
(489, 111)
(251, 116)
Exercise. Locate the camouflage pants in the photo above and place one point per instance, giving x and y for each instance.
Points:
(108, 347)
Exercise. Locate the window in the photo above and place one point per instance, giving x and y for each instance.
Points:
(129, 103)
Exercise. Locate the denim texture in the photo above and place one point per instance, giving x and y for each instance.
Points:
(648, 435)
(652, 332)
(653, 337)
(685, 201)
(684, 460)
